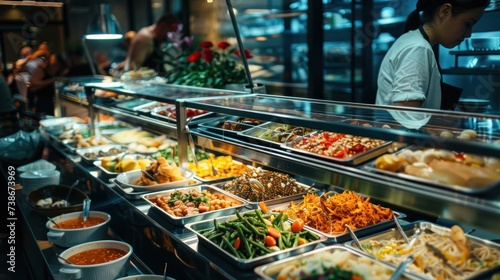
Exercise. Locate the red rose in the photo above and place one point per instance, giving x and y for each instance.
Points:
(195, 56)
(223, 45)
(206, 44)
(208, 55)
(247, 53)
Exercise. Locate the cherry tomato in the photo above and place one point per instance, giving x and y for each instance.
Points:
(273, 232)
(358, 148)
(270, 241)
(237, 243)
(297, 225)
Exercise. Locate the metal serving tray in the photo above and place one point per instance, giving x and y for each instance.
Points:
(98, 163)
(424, 226)
(113, 127)
(247, 263)
(275, 201)
(179, 221)
(147, 108)
(134, 104)
(355, 160)
(343, 237)
(156, 113)
(210, 182)
(463, 189)
(377, 124)
(105, 149)
(217, 125)
(272, 270)
(253, 134)
(131, 194)
(71, 144)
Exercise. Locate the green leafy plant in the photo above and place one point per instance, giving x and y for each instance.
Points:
(206, 65)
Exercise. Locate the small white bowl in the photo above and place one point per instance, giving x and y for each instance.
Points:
(108, 270)
(71, 237)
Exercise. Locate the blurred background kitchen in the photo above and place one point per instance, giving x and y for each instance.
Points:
(329, 49)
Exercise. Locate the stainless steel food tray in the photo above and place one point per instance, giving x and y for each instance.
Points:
(247, 263)
(179, 221)
(377, 124)
(131, 194)
(275, 201)
(149, 107)
(272, 270)
(105, 149)
(253, 134)
(216, 125)
(134, 104)
(354, 160)
(214, 181)
(344, 237)
(463, 189)
(424, 226)
(156, 113)
(71, 144)
(98, 163)
(113, 127)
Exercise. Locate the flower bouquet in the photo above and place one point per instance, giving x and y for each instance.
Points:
(206, 65)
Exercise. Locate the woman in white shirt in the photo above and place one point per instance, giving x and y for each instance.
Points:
(410, 74)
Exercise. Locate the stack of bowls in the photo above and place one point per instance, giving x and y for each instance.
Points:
(37, 165)
(31, 180)
(474, 105)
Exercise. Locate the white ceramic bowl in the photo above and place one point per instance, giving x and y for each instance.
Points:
(108, 270)
(128, 179)
(72, 237)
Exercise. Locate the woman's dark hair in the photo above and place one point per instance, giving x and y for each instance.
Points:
(429, 8)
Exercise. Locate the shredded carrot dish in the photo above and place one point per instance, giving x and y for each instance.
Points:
(343, 208)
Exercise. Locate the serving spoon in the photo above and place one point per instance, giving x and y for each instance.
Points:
(86, 209)
(67, 261)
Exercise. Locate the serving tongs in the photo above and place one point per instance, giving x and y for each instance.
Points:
(191, 142)
(401, 267)
(355, 238)
(441, 256)
(324, 208)
(258, 188)
(398, 225)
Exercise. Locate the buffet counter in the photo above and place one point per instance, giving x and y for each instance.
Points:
(157, 240)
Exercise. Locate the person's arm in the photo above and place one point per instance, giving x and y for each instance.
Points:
(141, 47)
(38, 80)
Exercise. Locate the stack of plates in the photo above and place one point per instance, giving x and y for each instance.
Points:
(31, 180)
(38, 165)
(474, 105)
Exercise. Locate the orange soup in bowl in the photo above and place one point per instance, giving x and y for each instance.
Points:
(78, 223)
(96, 256)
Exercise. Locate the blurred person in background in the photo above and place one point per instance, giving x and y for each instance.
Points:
(43, 84)
(77, 62)
(6, 100)
(117, 69)
(410, 74)
(145, 47)
(26, 67)
(103, 64)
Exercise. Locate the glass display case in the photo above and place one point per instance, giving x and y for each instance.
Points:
(156, 240)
